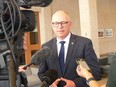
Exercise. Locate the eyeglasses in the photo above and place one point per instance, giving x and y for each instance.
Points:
(62, 23)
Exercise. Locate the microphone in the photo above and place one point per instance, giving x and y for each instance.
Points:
(39, 56)
(49, 77)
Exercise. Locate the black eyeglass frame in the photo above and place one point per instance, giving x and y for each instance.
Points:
(63, 23)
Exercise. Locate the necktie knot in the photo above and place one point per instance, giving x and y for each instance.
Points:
(62, 42)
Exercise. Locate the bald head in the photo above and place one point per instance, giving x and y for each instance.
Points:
(61, 24)
(60, 15)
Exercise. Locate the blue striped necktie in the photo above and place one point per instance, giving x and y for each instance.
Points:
(61, 56)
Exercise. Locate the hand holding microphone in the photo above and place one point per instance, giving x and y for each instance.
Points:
(20, 69)
(83, 72)
(82, 68)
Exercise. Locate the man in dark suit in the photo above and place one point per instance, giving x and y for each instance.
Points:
(75, 47)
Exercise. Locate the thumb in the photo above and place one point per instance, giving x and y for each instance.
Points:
(63, 79)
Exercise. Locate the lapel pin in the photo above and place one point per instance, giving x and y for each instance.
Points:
(72, 43)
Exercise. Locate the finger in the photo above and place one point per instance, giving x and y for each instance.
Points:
(63, 79)
(56, 81)
(79, 68)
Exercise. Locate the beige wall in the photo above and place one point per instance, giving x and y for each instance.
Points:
(107, 19)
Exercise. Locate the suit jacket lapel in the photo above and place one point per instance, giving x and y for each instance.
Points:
(70, 51)
(55, 55)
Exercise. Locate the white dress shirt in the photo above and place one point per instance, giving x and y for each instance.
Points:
(65, 45)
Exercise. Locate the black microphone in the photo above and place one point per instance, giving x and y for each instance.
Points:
(49, 77)
(39, 56)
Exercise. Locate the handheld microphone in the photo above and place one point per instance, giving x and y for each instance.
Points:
(49, 77)
(39, 56)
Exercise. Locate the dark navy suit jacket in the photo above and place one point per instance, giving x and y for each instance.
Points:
(79, 47)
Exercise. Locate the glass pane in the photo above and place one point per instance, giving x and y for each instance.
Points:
(33, 37)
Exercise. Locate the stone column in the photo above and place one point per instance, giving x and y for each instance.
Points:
(89, 22)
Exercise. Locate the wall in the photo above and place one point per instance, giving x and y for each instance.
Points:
(107, 19)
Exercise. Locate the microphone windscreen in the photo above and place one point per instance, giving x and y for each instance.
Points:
(50, 76)
(40, 55)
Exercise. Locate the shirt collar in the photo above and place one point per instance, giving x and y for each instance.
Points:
(65, 39)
